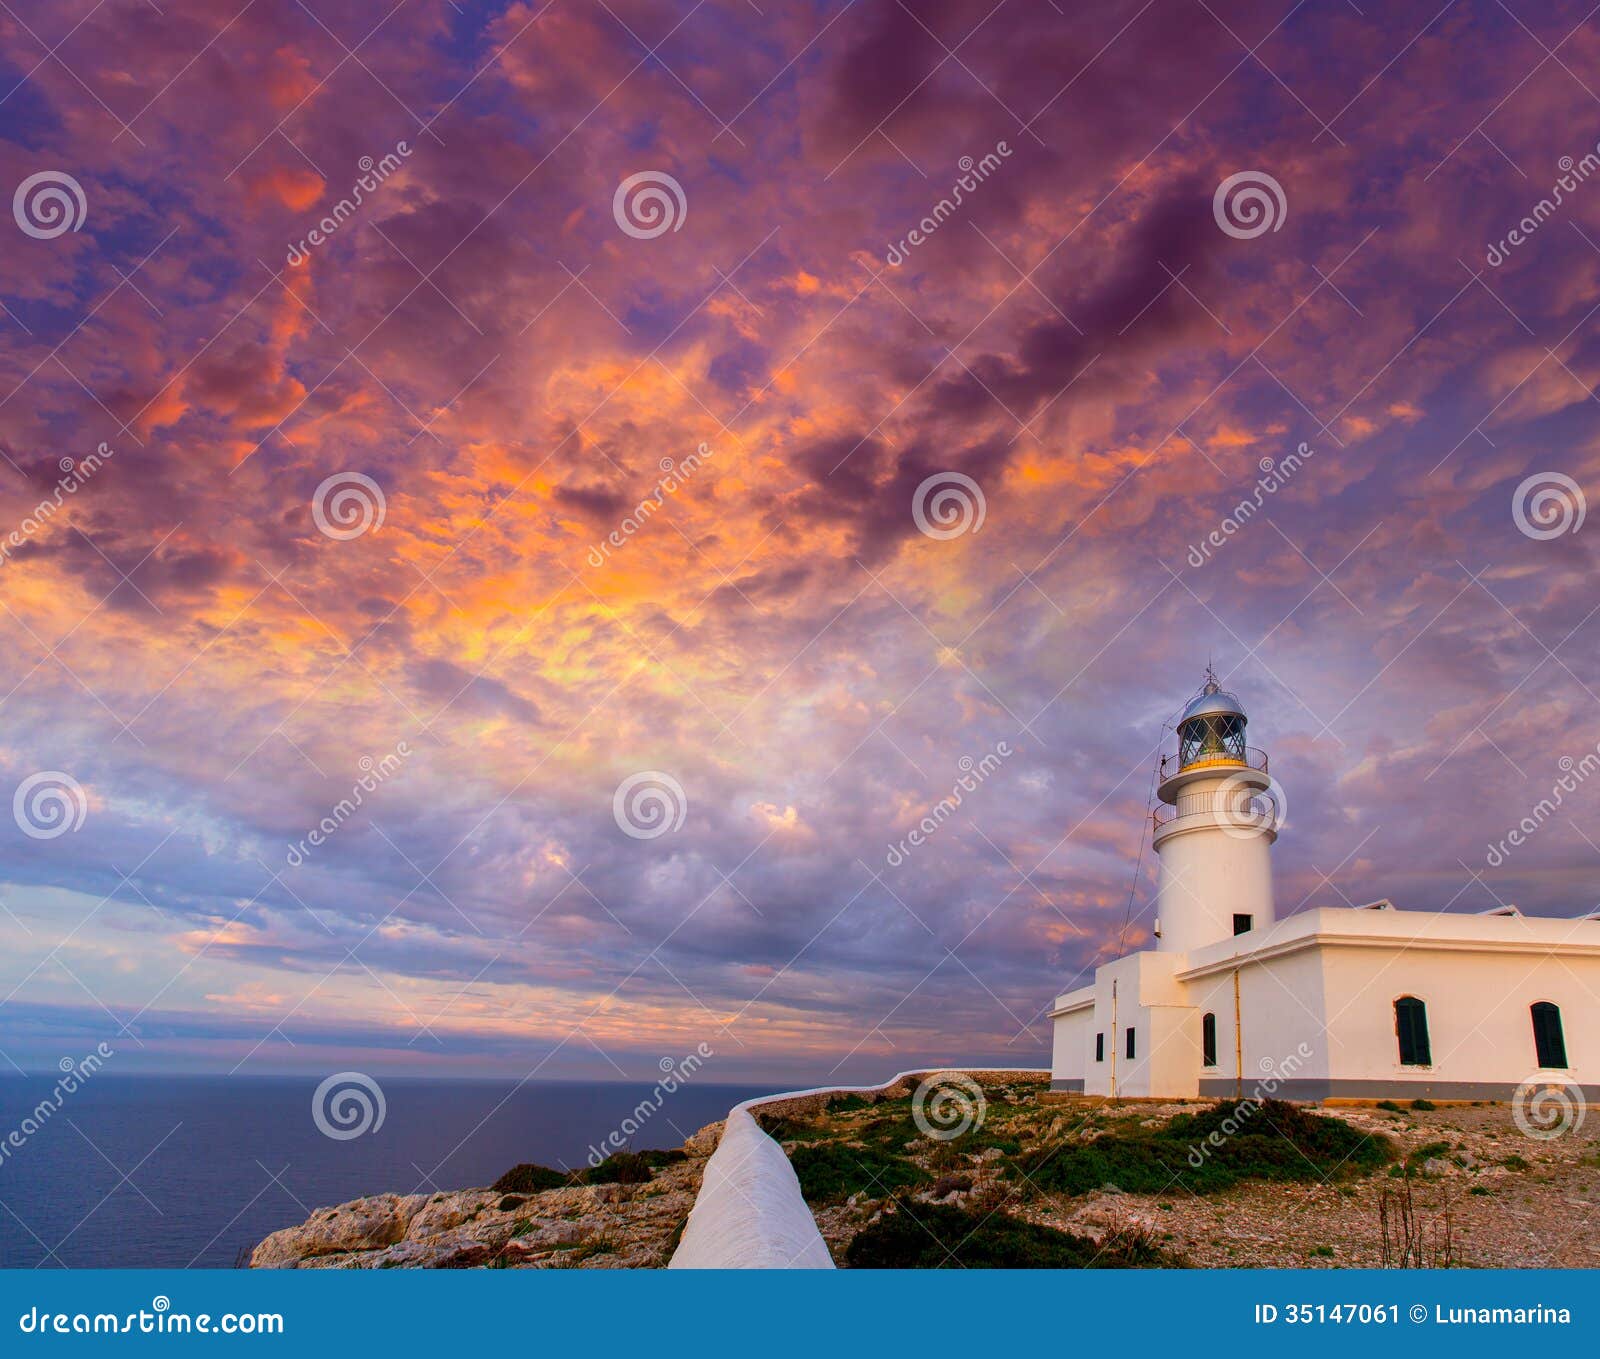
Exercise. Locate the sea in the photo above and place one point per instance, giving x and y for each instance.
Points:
(192, 1171)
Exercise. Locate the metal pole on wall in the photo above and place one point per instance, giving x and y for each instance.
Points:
(1113, 1039)
(1238, 1041)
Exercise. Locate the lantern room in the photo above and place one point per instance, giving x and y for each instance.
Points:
(1211, 730)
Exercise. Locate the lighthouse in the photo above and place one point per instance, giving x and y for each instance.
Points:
(1215, 828)
(1332, 1001)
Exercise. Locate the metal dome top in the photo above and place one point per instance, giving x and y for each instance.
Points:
(1212, 701)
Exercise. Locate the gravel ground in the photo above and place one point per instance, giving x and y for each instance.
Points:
(1501, 1198)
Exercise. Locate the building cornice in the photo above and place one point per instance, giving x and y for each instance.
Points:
(1420, 942)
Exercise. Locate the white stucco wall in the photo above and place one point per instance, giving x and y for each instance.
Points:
(1277, 1029)
(1316, 1007)
(1071, 1047)
(1480, 1025)
(749, 1213)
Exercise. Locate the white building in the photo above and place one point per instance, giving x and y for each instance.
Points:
(1366, 1002)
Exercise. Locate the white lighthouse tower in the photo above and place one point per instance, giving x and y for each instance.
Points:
(1331, 1002)
(1215, 832)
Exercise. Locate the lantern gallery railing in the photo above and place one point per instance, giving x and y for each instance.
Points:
(1242, 804)
(1222, 759)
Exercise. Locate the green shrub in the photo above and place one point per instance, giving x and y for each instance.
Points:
(831, 1171)
(528, 1178)
(1426, 1152)
(1270, 1140)
(621, 1167)
(790, 1129)
(1391, 1106)
(931, 1236)
(1424, 1106)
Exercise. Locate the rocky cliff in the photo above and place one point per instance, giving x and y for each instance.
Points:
(628, 1223)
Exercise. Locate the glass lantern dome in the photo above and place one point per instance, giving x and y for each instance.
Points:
(1211, 730)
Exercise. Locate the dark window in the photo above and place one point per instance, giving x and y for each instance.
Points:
(1099, 1047)
(1130, 1045)
(1243, 924)
(1548, 1041)
(1411, 1027)
(1208, 1040)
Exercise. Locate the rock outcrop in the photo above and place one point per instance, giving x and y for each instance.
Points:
(583, 1226)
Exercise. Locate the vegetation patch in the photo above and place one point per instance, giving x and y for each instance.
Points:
(830, 1171)
(528, 1178)
(931, 1236)
(621, 1167)
(1209, 1151)
(791, 1129)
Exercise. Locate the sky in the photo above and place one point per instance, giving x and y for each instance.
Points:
(649, 455)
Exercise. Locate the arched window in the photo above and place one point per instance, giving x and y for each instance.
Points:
(1411, 1027)
(1548, 1041)
(1208, 1040)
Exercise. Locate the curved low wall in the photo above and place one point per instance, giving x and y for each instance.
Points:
(749, 1213)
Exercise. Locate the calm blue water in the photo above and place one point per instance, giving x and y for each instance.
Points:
(188, 1170)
